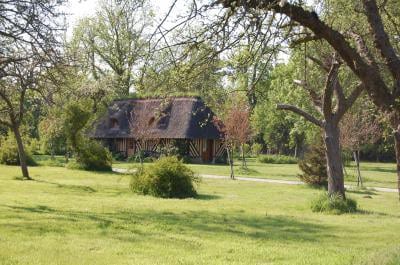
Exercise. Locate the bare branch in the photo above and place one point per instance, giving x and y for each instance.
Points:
(300, 112)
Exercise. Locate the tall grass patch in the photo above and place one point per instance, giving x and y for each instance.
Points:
(333, 204)
(277, 159)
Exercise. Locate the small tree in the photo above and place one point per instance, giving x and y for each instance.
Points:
(358, 129)
(141, 122)
(228, 143)
(237, 125)
(313, 165)
(235, 130)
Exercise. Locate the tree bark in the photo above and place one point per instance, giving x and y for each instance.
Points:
(334, 160)
(244, 165)
(21, 152)
(397, 148)
(230, 161)
(356, 155)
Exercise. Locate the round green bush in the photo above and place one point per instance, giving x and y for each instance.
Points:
(333, 204)
(92, 155)
(166, 178)
(9, 153)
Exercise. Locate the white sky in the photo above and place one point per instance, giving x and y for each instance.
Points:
(78, 9)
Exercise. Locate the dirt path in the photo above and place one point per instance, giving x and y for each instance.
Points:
(266, 180)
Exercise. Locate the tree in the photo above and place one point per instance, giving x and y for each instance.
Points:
(237, 126)
(196, 72)
(113, 41)
(235, 129)
(141, 125)
(283, 132)
(29, 33)
(379, 74)
(358, 129)
(313, 164)
(333, 94)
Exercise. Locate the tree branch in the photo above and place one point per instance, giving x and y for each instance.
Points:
(330, 84)
(371, 78)
(300, 112)
(316, 99)
(381, 39)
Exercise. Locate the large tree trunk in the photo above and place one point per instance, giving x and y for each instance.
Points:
(397, 148)
(21, 152)
(334, 160)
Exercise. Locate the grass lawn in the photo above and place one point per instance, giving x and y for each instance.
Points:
(374, 174)
(77, 217)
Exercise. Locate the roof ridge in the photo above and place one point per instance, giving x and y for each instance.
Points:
(158, 98)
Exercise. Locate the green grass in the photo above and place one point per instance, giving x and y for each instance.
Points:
(77, 217)
(374, 174)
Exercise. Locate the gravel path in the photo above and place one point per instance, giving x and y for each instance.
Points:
(265, 180)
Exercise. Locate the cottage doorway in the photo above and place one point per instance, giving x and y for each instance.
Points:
(130, 147)
(207, 154)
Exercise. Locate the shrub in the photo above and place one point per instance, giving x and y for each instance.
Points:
(93, 156)
(256, 149)
(34, 146)
(333, 204)
(9, 153)
(277, 159)
(246, 149)
(166, 178)
(119, 156)
(313, 166)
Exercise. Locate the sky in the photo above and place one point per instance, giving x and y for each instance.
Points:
(78, 9)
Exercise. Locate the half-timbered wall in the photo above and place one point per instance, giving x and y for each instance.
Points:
(196, 147)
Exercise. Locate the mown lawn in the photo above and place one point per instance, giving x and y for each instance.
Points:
(374, 174)
(78, 217)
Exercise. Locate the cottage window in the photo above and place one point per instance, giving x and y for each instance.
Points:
(114, 124)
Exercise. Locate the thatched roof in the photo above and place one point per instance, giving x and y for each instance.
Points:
(173, 118)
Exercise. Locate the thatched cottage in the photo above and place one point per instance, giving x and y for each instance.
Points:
(149, 125)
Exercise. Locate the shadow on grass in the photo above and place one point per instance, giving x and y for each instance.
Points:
(379, 169)
(361, 191)
(204, 223)
(367, 212)
(207, 197)
(69, 187)
(375, 168)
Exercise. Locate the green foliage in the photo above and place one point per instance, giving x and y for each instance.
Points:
(283, 131)
(256, 149)
(76, 118)
(9, 152)
(34, 146)
(277, 159)
(199, 74)
(119, 156)
(90, 155)
(246, 149)
(114, 36)
(52, 133)
(333, 204)
(313, 165)
(166, 178)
